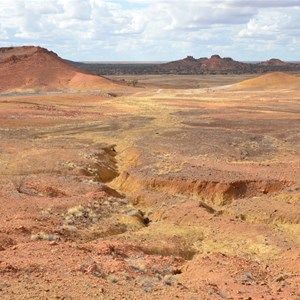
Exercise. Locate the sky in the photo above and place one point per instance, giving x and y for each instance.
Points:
(154, 30)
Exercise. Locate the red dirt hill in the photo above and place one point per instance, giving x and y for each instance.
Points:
(276, 80)
(31, 68)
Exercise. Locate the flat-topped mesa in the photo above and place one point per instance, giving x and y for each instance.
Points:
(30, 68)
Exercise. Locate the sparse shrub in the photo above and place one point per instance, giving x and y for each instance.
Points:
(42, 236)
(168, 279)
(147, 286)
(93, 269)
(69, 228)
(139, 268)
(37, 90)
(18, 182)
(112, 278)
(134, 82)
(76, 211)
(79, 211)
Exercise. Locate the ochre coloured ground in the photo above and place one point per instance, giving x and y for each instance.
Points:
(276, 80)
(160, 194)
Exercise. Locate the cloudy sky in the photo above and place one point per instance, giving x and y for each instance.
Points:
(154, 30)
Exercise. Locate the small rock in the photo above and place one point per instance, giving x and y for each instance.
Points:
(168, 280)
(92, 268)
(222, 294)
(247, 277)
(281, 278)
(23, 229)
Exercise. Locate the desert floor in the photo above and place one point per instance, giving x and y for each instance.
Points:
(159, 194)
(175, 81)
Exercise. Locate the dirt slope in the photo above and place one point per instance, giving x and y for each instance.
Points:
(276, 80)
(32, 68)
(203, 204)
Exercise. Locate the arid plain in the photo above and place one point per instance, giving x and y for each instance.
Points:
(152, 193)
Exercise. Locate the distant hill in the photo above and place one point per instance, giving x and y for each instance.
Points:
(214, 64)
(273, 62)
(31, 68)
(217, 65)
(190, 65)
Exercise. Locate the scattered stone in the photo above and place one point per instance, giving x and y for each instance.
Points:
(281, 278)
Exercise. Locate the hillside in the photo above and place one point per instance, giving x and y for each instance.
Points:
(276, 80)
(31, 68)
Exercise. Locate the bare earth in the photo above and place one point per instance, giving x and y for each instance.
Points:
(35, 69)
(161, 194)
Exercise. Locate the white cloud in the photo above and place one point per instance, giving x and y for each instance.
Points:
(263, 25)
(266, 3)
(76, 10)
(3, 34)
(151, 29)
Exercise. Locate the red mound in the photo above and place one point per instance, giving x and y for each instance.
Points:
(276, 80)
(32, 68)
(273, 62)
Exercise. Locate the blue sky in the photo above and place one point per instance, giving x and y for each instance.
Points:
(154, 30)
(130, 5)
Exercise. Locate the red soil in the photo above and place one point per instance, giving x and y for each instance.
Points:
(32, 68)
